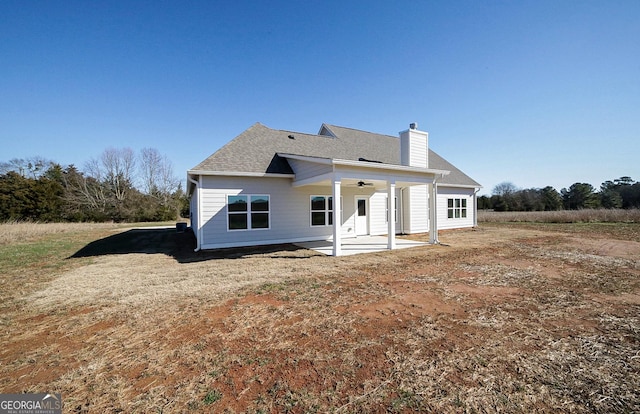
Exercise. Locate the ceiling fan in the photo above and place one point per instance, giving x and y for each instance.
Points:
(362, 183)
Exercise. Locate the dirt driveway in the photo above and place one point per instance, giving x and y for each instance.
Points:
(512, 319)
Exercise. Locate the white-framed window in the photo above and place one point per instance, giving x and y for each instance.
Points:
(321, 210)
(456, 208)
(395, 210)
(248, 212)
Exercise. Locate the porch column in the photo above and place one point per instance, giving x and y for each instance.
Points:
(475, 207)
(433, 214)
(391, 224)
(337, 220)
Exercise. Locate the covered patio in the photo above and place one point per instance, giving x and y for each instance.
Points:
(358, 245)
(336, 173)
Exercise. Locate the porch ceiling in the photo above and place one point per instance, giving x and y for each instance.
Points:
(375, 184)
(350, 172)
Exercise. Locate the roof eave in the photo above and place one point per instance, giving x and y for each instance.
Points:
(364, 164)
(478, 186)
(239, 174)
(393, 167)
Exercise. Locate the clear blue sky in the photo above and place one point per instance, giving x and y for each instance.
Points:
(532, 92)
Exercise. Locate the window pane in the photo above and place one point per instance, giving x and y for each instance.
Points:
(317, 218)
(464, 202)
(237, 221)
(317, 203)
(330, 215)
(464, 213)
(457, 213)
(450, 202)
(457, 202)
(330, 203)
(259, 203)
(450, 213)
(259, 220)
(237, 203)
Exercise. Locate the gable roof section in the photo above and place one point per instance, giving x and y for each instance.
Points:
(256, 151)
(456, 177)
(387, 149)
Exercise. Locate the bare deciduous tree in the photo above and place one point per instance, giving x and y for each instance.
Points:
(158, 179)
(150, 164)
(116, 185)
(116, 169)
(82, 191)
(505, 189)
(32, 167)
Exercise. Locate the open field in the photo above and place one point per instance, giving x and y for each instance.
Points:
(604, 215)
(22, 231)
(506, 317)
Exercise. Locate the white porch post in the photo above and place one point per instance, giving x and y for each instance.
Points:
(391, 224)
(337, 219)
(433, 213)
(475, 207)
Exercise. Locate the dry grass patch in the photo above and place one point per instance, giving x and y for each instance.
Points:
(24, 231)
(500, 319)
(562, 216)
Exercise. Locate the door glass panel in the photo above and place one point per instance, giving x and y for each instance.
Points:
(362, 208)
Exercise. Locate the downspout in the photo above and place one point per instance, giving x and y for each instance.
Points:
(198, 212)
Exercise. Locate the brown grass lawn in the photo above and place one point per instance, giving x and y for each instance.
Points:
(503, 318)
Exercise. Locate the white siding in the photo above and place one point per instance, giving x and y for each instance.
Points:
(399, 207)
(444, 193)
(377, 212)
(193, 207)
(414, 148)
(289, 211)
(348, 213)
(416, 219)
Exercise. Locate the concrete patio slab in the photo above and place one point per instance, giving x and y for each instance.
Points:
(358, 245)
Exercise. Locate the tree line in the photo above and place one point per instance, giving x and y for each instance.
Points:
(622, 192)
(119, 185)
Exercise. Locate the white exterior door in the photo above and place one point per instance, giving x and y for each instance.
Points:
(362, 216)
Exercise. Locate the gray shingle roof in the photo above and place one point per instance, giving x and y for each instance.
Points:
(255, 151)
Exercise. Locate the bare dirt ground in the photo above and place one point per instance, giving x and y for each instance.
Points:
(521, 318)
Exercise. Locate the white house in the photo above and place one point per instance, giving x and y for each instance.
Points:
(271, 186)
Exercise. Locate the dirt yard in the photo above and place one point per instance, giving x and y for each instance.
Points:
(518, 319)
